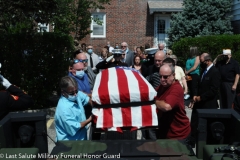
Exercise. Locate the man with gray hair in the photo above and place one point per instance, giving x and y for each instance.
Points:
(87, 69)
(173, 122)
(161, 47)
(129, 55)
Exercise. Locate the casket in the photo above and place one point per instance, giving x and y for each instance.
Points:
(122, 97)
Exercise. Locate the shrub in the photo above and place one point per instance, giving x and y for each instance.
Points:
(36, 62)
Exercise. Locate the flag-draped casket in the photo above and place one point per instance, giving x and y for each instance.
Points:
(122, 97)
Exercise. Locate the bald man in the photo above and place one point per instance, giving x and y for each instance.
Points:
(208, 86)
(173, 122)
(153, 70)
(87, 69)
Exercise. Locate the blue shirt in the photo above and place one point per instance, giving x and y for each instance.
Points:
(190, 63)
(68, 116)
(83, 84)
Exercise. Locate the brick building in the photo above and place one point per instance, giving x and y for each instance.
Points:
(138, 22)
(135, 21)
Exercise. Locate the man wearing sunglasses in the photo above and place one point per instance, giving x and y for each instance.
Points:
(173, 122)
(129, 55)
(70, 120)
(87, 69)
(76, 71)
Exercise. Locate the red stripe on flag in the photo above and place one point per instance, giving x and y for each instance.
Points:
(103, 88)
(146, 110)
(126, 116)
(123, 86)
(124, 97)
(107, 117)
(143, 87)
(147, 115)
(105, 98)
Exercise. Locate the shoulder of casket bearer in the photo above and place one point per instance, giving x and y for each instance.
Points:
(151, 50)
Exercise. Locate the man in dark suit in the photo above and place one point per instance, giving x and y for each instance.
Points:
(129, 55)
(208, 86)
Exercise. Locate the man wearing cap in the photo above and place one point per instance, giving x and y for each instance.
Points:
(112, 61)
(229, 69)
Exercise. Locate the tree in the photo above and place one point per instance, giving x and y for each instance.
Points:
(200, 18)
(74, 16)
(24, 15)
(67, 16)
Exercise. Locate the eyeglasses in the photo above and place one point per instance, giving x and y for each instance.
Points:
(164, 77)
(123, 54)
(123, 46)
(80, 60)
(72, 93)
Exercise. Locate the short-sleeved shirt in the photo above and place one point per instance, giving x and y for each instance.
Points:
(173, 124)
(228, 71)
(68, 116)
(179, 74)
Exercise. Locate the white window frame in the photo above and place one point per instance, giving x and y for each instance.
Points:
(43, 27)
(103, 25)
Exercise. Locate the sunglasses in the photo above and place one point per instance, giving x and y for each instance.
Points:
(80, 60)
(72, 93)
(164, 77)
(123, 46)
(123, 54)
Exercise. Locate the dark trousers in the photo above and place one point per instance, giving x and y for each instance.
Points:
(227, 95)
(193, 84)
(194, 124)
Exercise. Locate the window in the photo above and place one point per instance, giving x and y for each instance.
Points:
(99, 30)
(43, 27)
(161, 26)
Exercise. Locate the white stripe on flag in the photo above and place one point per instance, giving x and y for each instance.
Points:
(117, 117)
(113, 90)
(133, 86)
(95, 96)
(154, 115)
(100, 119)
(136, 116)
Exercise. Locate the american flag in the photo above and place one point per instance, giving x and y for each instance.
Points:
(125, 87)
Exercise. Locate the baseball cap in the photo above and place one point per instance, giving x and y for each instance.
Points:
(226, 51)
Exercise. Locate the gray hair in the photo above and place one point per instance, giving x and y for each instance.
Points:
(66, 82)
(170, 66)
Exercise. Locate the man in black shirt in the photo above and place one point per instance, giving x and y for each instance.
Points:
(229, 69)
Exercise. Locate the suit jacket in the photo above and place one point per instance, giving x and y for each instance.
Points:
(91, 76)
(129, 58)
(94, 58)
(208, 89)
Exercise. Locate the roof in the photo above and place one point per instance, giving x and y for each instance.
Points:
(165, 6)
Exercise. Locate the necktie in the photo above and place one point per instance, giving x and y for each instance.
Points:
(91, 62)
(203, 74)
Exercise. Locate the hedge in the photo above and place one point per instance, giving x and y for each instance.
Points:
(35, 63)
(210, 44)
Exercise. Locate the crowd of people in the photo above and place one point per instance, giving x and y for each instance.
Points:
(202, 78)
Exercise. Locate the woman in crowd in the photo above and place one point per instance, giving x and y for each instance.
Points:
(70, 119)
(193, 71)
(104, 54)
(179, 74)
(139, 66)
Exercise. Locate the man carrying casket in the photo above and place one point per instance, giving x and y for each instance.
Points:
(172, 119)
